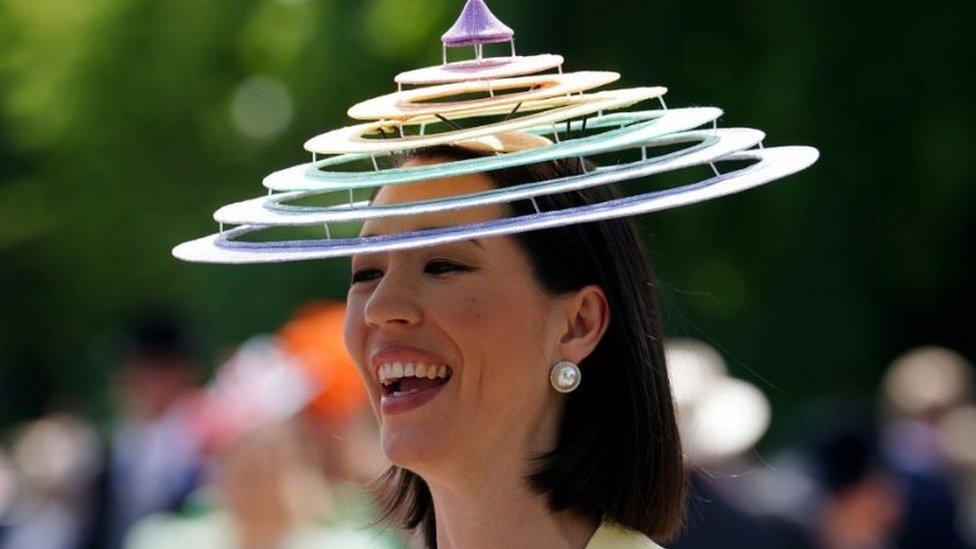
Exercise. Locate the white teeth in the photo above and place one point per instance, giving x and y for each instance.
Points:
(393, 371)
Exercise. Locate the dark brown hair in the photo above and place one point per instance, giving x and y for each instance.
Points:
(618, 458)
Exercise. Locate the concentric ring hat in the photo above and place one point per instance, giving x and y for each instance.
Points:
(514, 111)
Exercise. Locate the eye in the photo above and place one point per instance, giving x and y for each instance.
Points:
(443, 266)
(365, 275)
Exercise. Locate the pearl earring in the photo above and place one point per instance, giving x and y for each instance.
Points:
(565, 376)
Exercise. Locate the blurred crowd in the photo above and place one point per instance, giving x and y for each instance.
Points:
(275, 450)
(278, 447)
(896, 472)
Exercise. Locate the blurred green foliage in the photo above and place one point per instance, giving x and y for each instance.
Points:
(118, 140)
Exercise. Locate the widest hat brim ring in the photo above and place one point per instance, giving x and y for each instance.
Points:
(771, 164)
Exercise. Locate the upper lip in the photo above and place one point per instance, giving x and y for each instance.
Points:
(401, 353)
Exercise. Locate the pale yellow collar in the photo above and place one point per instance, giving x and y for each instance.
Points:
(609, 536)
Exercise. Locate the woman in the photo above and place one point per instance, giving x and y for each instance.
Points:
(467, 349)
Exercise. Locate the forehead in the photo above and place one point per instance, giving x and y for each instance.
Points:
(429, 190)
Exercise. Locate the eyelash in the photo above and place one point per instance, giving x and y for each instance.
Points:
(364, 275)
(434, 267)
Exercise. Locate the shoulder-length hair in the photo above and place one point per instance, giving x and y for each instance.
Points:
(618, 457)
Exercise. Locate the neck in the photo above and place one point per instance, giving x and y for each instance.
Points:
(482, 498)
(500, 510)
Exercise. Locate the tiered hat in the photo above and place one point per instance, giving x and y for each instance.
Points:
(518, 111)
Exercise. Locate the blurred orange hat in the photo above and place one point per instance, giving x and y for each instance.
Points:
(315, 338)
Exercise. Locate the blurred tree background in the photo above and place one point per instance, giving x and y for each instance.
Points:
(125, 123)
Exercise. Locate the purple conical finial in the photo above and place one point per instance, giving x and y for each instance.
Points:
(477, 25)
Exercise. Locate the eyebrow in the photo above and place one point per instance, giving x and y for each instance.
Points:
(476, 241)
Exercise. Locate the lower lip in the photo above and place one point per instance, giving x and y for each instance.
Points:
(397, 404)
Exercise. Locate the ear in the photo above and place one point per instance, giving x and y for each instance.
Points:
(587, 315)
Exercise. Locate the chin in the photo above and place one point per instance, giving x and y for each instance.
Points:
(413, 446)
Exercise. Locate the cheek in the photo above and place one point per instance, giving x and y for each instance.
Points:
(354, 333)
(503, 331)
(351, 334)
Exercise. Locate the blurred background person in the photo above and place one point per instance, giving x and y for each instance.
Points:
(863, 500)
(279, 421)
(46, 498)
(959, 445)
(345, 428)
(922, 393)
(154, 459)
(721, 420)
(6, 494)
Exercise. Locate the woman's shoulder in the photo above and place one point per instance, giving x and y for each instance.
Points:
(611, 536)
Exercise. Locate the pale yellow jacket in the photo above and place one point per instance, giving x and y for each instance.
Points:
(609, 536)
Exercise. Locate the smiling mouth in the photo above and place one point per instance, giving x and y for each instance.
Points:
(406, 378)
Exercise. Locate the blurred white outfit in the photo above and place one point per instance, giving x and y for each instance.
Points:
(217, 531)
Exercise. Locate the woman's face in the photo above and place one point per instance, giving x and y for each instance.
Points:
(471, 317)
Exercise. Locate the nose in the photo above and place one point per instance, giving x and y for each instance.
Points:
(393, 302)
